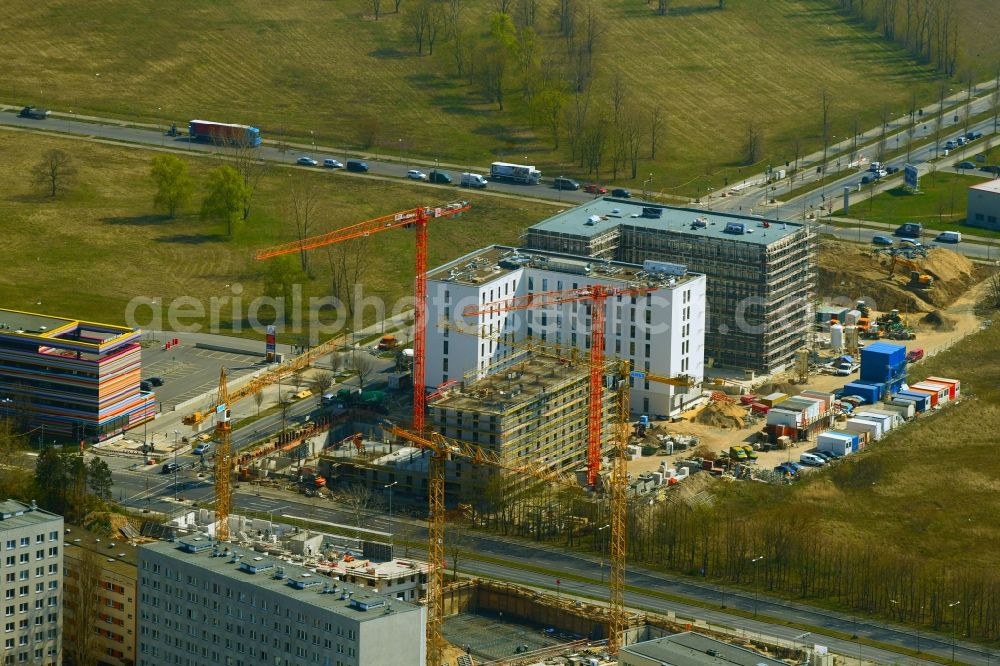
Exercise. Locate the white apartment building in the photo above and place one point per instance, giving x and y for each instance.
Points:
(32, 589)
(202, 602)
(662, 332)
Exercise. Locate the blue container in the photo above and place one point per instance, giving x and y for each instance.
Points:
(922, 399)
(878, 386)
(884, 353)
(867, 392)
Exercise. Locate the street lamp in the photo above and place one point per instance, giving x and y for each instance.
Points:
(270, 515)
(756, 587)
(599, 530)
(389, 487)
(954, 625)
(645, 190)
(400, 144)
(176, 433)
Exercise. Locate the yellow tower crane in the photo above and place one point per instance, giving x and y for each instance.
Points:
(223, 459)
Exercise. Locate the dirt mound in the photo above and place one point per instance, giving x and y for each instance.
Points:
(848, 272)
(721, 414)
(776, 387)
(937, 321)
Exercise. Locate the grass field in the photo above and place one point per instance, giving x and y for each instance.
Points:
(86, 254)
(940, 204)
(329, 69)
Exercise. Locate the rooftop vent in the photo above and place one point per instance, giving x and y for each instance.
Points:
(739, 228)
(650, 212)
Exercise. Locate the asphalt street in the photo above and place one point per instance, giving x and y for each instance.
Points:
(772, 611)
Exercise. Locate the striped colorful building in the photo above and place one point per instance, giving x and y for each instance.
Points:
(71, 378)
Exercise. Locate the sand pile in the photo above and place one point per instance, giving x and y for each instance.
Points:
(721, 414)
(776, 387)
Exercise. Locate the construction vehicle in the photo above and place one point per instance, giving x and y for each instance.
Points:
(387, 343)
(418, 219)
(907, 258)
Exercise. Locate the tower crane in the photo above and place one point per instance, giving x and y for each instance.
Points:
(597, 295)
(442, 449)
(223, 459)
(418, 219)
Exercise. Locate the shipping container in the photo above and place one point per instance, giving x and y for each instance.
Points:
(873, 428)
(827, 398)
(881, 419)
(883, 362)
(841, 443)
(879, 386)
(895, 420)
(773, 399)
(866, 392)
(932, 396)
(923, 400)
(956, 386)
(941, 390)
(809, 408)
(905, 407)
(784, 417)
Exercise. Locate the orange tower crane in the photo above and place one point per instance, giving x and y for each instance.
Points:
(597, 295)
(418, 219)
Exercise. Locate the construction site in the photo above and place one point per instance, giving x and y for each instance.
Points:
(490, 444)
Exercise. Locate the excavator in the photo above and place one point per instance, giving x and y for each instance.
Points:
(907, 258)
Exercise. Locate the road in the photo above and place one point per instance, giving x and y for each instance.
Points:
(394, 168)
(772, 611)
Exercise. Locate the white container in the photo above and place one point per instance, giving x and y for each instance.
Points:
(883, 419)
(903, 408)
(852, 317)
(873, 428)
(826, 398)
(835, 442)
(894, 417)
(784, 417)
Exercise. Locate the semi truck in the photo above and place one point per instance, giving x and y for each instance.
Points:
(505, 172)
(206, 130)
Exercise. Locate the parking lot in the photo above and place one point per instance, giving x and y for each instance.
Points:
(188, 372)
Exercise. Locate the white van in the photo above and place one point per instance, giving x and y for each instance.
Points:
(473, 180)
(949, 237)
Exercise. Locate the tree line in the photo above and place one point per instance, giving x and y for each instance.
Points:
(785, 553)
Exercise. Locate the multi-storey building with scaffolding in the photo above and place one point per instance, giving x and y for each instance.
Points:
(205, 602)
(761, 273)
(661, 332)
(532, 415)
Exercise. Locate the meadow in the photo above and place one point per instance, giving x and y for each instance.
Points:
(328, 72)
(87, 253)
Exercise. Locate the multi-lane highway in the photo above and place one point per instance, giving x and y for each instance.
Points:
(582, 575)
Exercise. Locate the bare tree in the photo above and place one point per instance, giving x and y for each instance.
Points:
(548, 105)
(258, 399)
(454, 32)
(578, 113)
(503, 6)
(418, 18)
(797, 147)
(824, 105)
(82, 604)
(358, 500)
(242, 155)
(376, 8)
(435, 25)
(303, 199)
(969, 77)
(458, 541)
(595, 146)
(527, 12)
(883, 117)
(888, 18)
(754, 143)
(397, 3)
(633, 142)
(347, 268)
(321, 382)
(995, 99)
(55, 172)
(362, 365)
(655, 129)
(662, 7)
(567, 17)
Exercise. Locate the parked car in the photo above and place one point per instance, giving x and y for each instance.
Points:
(961, 141)
(145, 386)
(846, 369)
(914, 355)
(306, 161)
(950, 145)
(156, 381)
(909, 242)
(892, 169)
(812, 460)
(203, 448)
(331, 163)
(594, 188)
(966, 164)
(990, 168)
(825, 455)
(794, 465)
(785, 468)
(357, 165)
(416, 174)
(440, 177)
(870, 177)
(949, 237)
(881, 240)
(562, 183)
(621, 193)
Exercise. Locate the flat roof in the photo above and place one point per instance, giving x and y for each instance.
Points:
(495, 261)
(692, 649)
(118, 554)
(14, 514)
(601, 215)
(310, 582)
(992, 186)
(521, 382)
(55, 331)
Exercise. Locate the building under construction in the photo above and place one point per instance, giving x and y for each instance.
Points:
(761, 273)
(533, 415)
